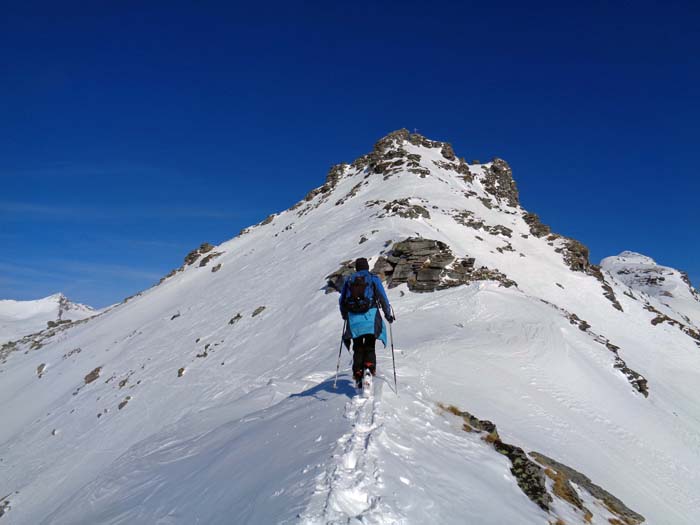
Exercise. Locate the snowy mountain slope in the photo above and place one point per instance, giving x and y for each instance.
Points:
(670, 286)
(190, 402)
(20, 318)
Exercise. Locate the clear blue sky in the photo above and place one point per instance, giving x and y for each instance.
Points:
(131, 134)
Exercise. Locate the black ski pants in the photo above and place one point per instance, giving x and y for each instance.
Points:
(363, 355)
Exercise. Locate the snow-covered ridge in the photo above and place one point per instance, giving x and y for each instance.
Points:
(644, 274)
(208, 398)
(669, 286)
(20, 318)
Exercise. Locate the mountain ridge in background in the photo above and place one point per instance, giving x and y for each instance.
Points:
(21, 318)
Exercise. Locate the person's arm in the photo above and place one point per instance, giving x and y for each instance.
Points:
(383, 299)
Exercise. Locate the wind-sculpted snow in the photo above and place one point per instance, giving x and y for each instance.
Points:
(220, 466)
(213, 399)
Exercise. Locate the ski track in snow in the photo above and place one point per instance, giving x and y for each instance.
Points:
(349, 491)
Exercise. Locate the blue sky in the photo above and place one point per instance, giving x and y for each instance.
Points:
(131, 134)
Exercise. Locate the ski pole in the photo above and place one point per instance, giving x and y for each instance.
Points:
(393, 359)
(340, 352)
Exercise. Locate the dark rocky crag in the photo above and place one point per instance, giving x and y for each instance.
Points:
(191, 258)
(404, 208)
(568, 475)
(663, 318)
(4, 506)
(498, 181)
(531, 471)
(537, 228)
(528, 474)
(693, 291)
(426, 265)
(334, 281)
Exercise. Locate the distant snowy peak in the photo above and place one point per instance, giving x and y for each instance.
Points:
(20, 318)
(642, 273)
(68, 310)
(631, 257)
(670, 286)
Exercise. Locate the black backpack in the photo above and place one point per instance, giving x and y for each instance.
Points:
(359, 297)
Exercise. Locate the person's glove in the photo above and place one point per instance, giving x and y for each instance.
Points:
(390, 318)
(344, 315)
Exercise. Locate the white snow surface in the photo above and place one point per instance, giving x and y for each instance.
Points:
(20, 318)
(252, 431)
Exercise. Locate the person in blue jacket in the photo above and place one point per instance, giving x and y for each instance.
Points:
(360, 299)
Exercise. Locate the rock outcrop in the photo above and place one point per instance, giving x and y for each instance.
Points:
(426, 265)
(532, 470)
(401, 208)
(466, 218)
(192, 257)
(498, 181)
(566, 475)
(334, 281)
(389, 156)
(663, 318)
(528, 474)
(92, 376)
(537, 228)
(4, 506)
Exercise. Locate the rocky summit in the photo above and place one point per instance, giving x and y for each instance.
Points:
(210, 397)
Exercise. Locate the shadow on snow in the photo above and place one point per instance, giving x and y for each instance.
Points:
(344, 387)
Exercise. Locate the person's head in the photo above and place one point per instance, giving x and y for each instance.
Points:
(361, 264)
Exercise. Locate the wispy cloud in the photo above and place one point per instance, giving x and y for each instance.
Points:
(185, 213)
(24, 271)
(26, 209)
(146, 243)
(36, 211)
(66, 270)
(9, 282)
(68, 169)
(107, 270)
(92, 282)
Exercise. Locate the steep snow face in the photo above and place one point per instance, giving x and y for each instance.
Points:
(670, 286)
(20, 318)
(209, 397)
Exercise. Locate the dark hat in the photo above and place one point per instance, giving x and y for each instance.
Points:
(361, 264)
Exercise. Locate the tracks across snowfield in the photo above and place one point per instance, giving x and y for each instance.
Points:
(349, 491)
(404, 461)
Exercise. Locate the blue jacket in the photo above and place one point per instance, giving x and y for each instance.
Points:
(369, 322)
